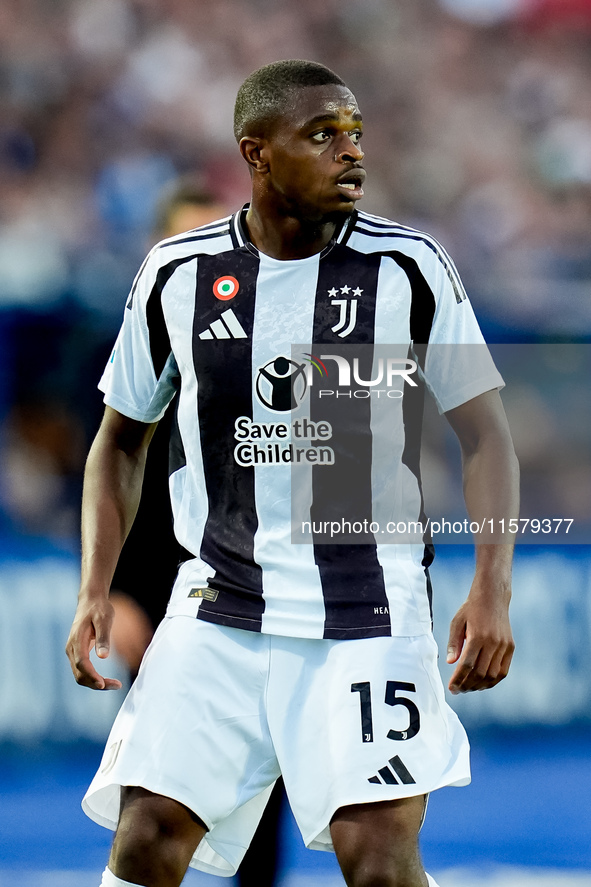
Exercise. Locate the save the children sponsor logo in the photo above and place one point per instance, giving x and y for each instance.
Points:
(278, 443)
(281, 386)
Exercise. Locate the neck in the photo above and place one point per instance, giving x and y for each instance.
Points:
(284, 236)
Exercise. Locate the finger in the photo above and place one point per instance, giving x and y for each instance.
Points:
(78, 652)
(456, 682)
(489, 668)
(457, 634)
(494, 672)
(87, 676)
(111, 684)
(501, 672)
(462, 679)
(479, 677)
(498, 667)
(102, 627)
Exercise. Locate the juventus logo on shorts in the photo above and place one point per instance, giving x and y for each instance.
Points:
(111, 756)
(388, 776)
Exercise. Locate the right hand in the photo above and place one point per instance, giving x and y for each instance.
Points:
(91, 628)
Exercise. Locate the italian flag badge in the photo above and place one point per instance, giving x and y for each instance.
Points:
(225, 288)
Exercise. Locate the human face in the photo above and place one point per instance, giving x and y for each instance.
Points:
(314, 156)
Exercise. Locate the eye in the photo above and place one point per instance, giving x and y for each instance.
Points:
(355, 135)
(320, 137)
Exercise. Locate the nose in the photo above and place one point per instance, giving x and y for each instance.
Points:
(348, 150)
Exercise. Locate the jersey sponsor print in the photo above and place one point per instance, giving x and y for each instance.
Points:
(218, 321)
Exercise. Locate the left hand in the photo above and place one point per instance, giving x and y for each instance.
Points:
(480, 641)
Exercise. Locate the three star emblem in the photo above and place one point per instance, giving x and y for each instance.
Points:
(344, 290)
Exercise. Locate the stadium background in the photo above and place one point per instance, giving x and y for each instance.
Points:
(478, 129)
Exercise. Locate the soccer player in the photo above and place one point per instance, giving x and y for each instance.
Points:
(314, 661)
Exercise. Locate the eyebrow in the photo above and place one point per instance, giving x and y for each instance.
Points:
(323, 118)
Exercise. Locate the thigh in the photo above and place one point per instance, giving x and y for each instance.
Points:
(361, 722)
(193, 729)
(155, 839)
(379, 839)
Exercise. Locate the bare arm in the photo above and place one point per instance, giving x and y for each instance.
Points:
(112, 489)
(480, 639)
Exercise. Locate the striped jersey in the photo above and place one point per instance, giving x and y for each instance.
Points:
(257, 350)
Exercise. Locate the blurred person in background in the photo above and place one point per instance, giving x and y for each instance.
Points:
(149, 560)
(142, 584)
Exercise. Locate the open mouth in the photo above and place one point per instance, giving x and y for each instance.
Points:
(351, 184)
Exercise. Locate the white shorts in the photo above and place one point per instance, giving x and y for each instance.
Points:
(216, 714)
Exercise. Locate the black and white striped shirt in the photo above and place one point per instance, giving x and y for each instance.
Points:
(212, 317)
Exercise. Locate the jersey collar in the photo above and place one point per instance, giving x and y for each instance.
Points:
(240, 236)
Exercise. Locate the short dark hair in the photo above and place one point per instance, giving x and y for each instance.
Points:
(264, 96)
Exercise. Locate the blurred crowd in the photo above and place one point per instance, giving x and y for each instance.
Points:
(478, 129)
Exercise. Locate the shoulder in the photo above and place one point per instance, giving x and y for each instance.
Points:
(211, 238)
(169, 254)
(411, 248)
(379, 234)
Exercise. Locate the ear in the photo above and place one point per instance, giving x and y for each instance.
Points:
(254, 151)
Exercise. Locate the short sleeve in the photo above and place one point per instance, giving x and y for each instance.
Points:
(141, 376)
(458, 365)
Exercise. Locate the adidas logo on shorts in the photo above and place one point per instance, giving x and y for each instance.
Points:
(388, 777)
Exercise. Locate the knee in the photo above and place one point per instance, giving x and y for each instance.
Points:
(146, 819)
(141, 835)
(142, 843)
(368, 875)
(383, 871)
(382, 860)
(155, 835)
(377, 844)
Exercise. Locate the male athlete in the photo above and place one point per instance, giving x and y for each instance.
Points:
(314, 661)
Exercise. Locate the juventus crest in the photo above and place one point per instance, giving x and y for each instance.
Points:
(347, 309)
